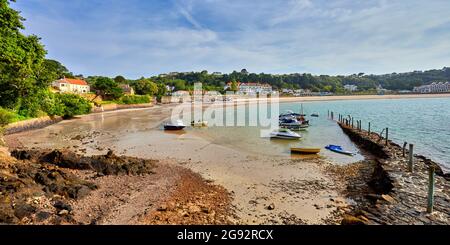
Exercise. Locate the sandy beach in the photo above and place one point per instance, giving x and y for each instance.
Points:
(264, 190)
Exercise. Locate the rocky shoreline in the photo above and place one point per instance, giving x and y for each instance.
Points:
(61, 187)
(393, 195)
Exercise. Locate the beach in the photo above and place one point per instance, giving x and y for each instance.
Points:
(263, 190)
(198, 179)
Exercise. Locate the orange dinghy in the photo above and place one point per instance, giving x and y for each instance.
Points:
(305, 150)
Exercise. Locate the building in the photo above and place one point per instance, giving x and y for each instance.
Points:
(127, 89)
(252, 88)
(68, 85)
(350, 87)
(436, 87)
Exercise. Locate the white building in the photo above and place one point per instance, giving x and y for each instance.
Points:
(252, 88)
(433, 88)
(351, 88)
(67, 85)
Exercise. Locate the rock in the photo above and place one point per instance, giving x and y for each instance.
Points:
(63, 212)
(271, 206)
(78, 137)
(23, 210)
(352, 220)
(42, 216)
(373, 197)
(61, 205)
(206, 210)
(162, 208)
(194, 209)
(388, 198)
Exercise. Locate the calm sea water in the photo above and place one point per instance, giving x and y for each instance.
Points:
(423, 122)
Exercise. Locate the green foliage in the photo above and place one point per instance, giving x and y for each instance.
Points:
(6, 116)
(134, 99)
(107, 88)
(21, 59)
(120, 79)
(234, 86)
(69, 105)
(145, 87)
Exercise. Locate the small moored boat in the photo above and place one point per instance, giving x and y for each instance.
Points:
(178, 125)
(315, 115)
(338, 149)
(284, 133)
(199, 124)
(305, 150)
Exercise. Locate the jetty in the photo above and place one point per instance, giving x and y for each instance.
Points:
(405, 188)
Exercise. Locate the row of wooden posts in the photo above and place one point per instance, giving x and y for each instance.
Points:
(349, 122)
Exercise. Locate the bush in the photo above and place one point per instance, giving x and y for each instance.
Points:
(6, 116)
(134, 99)
(69, 105)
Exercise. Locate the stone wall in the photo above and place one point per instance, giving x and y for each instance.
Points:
(113, 107)
(31, 124)
(400, 196)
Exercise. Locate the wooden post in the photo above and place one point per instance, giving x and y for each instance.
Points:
(430, 189)
(369, 128)
(411, 158)
(332, 115)
(387, 136)
(352, 121)
(404, 148)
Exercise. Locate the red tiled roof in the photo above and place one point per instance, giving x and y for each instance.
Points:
(74, 81)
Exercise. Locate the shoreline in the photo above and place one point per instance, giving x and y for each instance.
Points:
(275, 191)
(264, 190)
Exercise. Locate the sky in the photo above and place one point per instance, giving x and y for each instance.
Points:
(138, 38)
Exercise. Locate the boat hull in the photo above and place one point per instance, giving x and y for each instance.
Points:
(172, 128)
(340, 151)
(305, 150)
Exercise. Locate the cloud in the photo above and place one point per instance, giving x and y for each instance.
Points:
(142, 38)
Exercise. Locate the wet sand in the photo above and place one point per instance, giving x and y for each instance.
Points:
(265, 190)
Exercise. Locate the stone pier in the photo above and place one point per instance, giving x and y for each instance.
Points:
(399, 196)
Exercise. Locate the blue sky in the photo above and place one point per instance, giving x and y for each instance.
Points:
(147, 37)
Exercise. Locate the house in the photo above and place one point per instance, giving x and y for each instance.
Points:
(127, 89)
(252, 88)
(435, 87)
(350, 87)
(68, 85)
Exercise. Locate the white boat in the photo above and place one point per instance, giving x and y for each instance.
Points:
(284, 133)
(178, 125)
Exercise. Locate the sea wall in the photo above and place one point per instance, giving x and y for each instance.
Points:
(399, 196)
(31, 124)
(113, 107)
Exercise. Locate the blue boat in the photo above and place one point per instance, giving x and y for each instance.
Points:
(338, 149)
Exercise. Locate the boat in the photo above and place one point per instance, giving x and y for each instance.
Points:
(338, 149)
(315, 115)
(284, 133)
(296, 128)
(199, 124)
(178, 125)
(305, 150)
(291, 122)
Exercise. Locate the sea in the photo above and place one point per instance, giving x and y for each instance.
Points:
(424, 122)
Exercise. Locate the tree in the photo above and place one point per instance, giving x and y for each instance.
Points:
(21, 58)
(179, 84)
(120, 79)
(107, 88)
(145, 87)
(234, 86)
